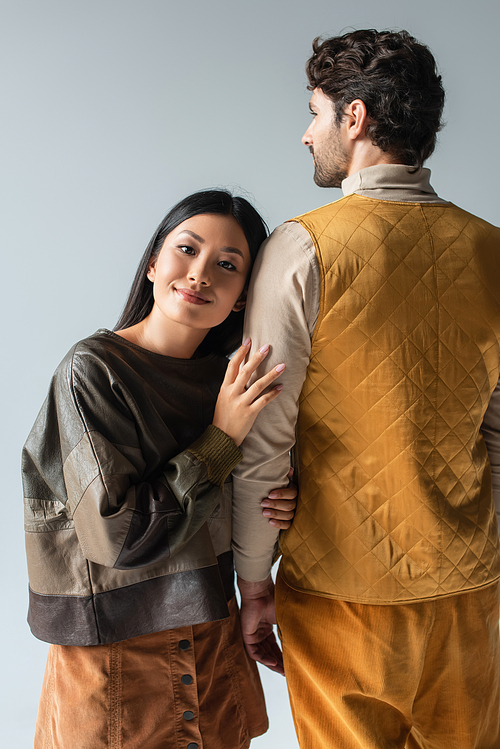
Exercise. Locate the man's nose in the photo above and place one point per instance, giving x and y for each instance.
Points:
(307, 137)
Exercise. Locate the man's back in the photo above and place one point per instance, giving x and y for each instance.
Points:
(395, 500)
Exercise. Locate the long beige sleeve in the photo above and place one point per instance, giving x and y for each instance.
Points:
(491, 433)
(282, 310)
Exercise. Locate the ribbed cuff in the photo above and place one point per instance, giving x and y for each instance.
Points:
(219, 453)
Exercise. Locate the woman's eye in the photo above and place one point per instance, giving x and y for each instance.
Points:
(186, 249)
(227, 265)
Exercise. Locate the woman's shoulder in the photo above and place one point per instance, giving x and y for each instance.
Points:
(95, 382)
(100, 347)
(96, 368)
(79, 378)
(85, 358)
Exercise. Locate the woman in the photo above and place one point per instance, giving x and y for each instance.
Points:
(127, 486)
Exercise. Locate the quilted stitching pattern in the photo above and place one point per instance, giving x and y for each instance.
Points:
(395, 491)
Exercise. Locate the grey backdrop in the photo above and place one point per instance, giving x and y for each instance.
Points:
(114, 109)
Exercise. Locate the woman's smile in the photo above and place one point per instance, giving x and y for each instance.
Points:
(194, 297)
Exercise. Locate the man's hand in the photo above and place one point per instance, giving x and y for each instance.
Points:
(257, 619)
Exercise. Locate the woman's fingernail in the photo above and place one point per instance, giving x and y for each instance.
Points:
(272, 495)
(279, 387)
(247, 342)
(264, 349)
(267, 513)
(280, 368)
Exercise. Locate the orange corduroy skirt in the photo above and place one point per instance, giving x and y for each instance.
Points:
(192, 687)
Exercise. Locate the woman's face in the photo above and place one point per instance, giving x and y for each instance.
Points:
(200, 274)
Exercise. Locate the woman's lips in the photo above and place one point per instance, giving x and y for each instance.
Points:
(192, 296)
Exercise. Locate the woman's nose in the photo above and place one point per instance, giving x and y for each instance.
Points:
(198, 273)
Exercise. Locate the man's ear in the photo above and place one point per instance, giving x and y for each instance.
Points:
(357, 119)
(242, 300)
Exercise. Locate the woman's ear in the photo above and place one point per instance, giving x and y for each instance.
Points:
(242, 300)
(151, 274)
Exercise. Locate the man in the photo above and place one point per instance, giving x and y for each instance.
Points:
(385, 305)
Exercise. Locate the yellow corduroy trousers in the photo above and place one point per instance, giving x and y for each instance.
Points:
(420, 675)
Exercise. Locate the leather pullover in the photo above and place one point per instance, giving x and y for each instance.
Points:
(127, 507)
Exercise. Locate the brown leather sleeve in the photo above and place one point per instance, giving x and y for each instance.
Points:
(124, 523)
(122, 517)
(171, 510)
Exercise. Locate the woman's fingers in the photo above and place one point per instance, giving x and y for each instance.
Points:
(273, 506)
(247, 370)
(257, 388)
(287, 492)
(279, 518)
(237, 408)
(239, 373)
(279, 509)
(233, 368)
(282, 525)
(278, 514)
(279, 506)
(256, 404)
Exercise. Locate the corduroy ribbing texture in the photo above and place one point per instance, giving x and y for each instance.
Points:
(413, 676)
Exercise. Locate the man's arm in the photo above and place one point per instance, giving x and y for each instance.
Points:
(491, 432)
(282, 310)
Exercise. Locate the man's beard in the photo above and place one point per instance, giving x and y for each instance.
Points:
(331, 166)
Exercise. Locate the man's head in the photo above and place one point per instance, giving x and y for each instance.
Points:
(382, 86)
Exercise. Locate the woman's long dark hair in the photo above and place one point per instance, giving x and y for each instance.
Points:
(226, 337)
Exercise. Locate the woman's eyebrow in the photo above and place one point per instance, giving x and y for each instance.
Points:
(192, 234)
(233, 250)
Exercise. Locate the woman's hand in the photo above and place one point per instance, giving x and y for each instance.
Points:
(280, 505)
(237, 407)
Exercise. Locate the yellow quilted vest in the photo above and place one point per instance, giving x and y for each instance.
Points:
(395, 485)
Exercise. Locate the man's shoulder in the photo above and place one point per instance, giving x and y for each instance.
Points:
(323, 210)
(474, 222)
(288, 253)
(288, 240)
(347, 209)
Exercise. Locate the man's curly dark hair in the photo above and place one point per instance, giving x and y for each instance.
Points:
(397, 79)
